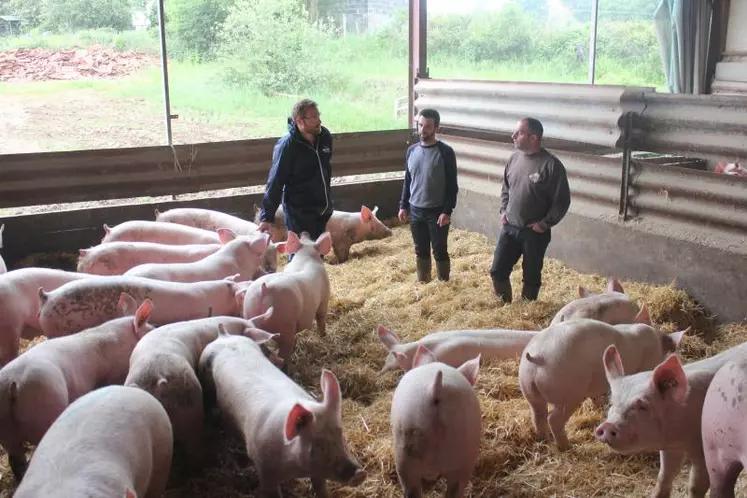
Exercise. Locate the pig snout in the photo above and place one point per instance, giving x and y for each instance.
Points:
(613, 436)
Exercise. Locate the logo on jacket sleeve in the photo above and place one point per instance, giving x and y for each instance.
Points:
(326, 150)
(534, 177)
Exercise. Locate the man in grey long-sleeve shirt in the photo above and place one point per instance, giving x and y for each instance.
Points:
(534, 198)
(429, 196)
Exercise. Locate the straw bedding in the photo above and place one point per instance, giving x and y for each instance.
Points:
(378, 286)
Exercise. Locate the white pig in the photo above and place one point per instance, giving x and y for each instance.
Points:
(288, 434)
(346, 228)
(207, 219)
(158, 232)
(561, 366)
(724, 427)
(297, 295)
(660, 409)
(454, 347)
(19, 304)
(3, 268)
(86, 303)
(613, 306)
(436, 423)
(113, 442)
(38, 385)
(115, 258)
(164, 363)
(242, 255)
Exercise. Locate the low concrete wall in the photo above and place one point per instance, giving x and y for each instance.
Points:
(68, 231)
(712, 276)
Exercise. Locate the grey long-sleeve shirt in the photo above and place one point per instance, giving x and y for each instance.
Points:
(535, 190)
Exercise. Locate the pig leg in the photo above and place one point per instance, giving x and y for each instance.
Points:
(699, 481)
(670, 462)
(723, 477)
(455, 488)
(9, 350)
(557, 419)
(269, 484)
(539, 409)
(162, 455)
(321, 318)
(17, 460)
(342, 250)
(412, 485)
(319, 485)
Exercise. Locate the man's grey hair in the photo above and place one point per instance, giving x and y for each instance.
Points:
(300, 108)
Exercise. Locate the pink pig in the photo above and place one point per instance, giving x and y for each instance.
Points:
(724, 427)
(436, 423)
(86, 303)
(349, 228)
(207, 219)
(158, 232)
(115, 442)
(561, 366)
(238, 255)
(661, 410)
(454, 347)
(38, 385)
(3, 268)
(613, 306)
(288, 434)
(115, 258)
(297, 295)
(164, 363)
(19, 304)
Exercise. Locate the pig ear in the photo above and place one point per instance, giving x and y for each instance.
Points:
(298, 418)
(366, 214)
(403, 361)
(670, 380)
(83, 252)
(470, 369)
(232, 278)
(157, 212)
(389, 338)
(643, 316)
(423, 356)
(331, 389)
(225, 235)
(582, 292)
(130, 493)
(613, 366)
(259, 245)
(127, 305)
(672, 341)
(43, 296)
(293, 243)
(324, 243)
(240, 295)
(614, 286)
(280, 246)
(143, 313)
(107, 229)
(263, 289)
(222, 332)
(259, 336)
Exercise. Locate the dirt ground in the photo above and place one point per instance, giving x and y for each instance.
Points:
(52, 121)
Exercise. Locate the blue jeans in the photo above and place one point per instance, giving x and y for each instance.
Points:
(426, 233)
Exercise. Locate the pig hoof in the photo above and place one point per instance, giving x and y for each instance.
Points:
(18, 466)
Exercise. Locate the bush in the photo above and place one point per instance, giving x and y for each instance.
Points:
(73, 15)
(270, 46)
(195, 25)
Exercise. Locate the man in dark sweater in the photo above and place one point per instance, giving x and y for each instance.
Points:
(534, 198)
(429, 196)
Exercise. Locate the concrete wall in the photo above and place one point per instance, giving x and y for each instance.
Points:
(68, 231)
(731, 71)
(713, 277)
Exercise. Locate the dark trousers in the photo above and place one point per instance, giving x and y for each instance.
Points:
(298, 223)
(514, 242)
(426, 233)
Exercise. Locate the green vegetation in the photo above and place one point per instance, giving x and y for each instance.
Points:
(249, 60)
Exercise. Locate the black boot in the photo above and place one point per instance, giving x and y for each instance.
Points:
(530, 292)
(424, 269)
(502, 289)
(443, 269)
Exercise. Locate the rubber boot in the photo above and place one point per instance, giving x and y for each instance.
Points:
(424, 270)
(502, 289)
(443, 268)
(530, 292)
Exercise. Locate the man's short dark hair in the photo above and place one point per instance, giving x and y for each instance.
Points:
(534, 126)
(431, 114)
(300, 108)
